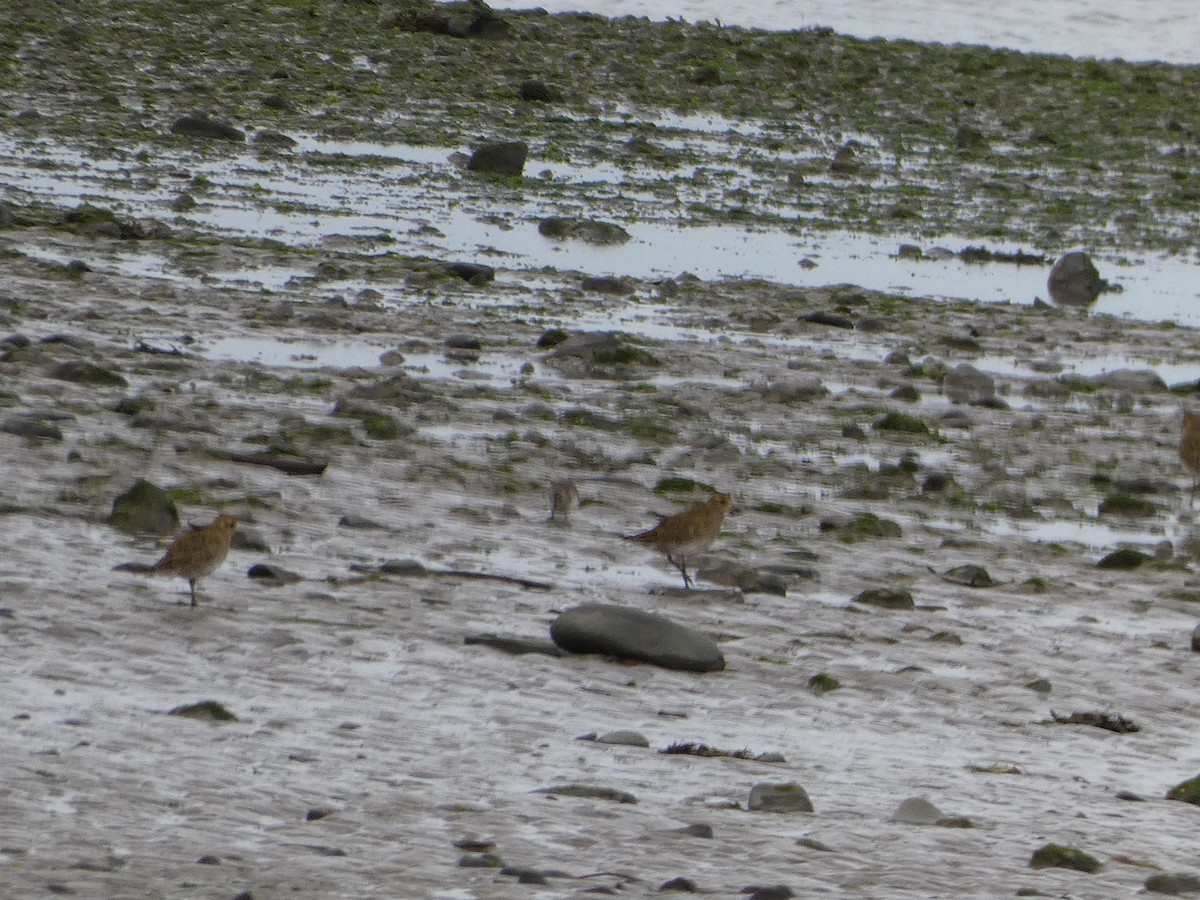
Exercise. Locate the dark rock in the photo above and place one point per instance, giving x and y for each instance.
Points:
(274, 140)
(845, 160)
(474, 845)
(551, 338)
(500, 157)
(970, 576)
(1074, 280)
(698, 829)
(476, 273)
(353, 520)
(935, 482)
(968, 137)
(145, 509)
(821, 683)
(463, 342)
(587, 344)
(1196, 639)
(203, 125)
(272, 575)
(886, 598)
(537, 91)
(514, 645)
(317, 813)
(606, 284)
(633, 634)
(480, 861)
(589, 791)
(833, 320)
(210, 710)
(1186, 791)
(80, 372)
(680, 884)
(625, 738)
(1058, 856)
(779, 798)
(1124, 559)
(1175, 885)
(774, 892)
(967, 384)
(814, 844)
(208, 860)
(1040, 686)
(406, 567)
(31, 426)
(604, 234)
(917, 811)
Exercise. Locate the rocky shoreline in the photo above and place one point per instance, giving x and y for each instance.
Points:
(953, 602)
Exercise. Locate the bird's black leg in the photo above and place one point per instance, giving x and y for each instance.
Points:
(192, 585)
(681, 565)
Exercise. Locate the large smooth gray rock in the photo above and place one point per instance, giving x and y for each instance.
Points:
(1074, 280)
(779, 798)
(633, 634)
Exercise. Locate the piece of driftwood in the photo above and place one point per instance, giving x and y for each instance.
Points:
(289, 465)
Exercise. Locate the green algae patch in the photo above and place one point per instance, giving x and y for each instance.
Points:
(210, 710)
(1186, 791)
(1124, 560)
(1057, 856)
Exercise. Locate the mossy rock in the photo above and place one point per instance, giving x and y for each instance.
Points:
(205, 709)
(822, 683)
(145, 509)
(551, 338)
(779, 798)
(886, 598)
(675, 484)
(1125, 559)
(80, 372)
(1056, 856)
(868, 525)
(1127, 505)
(903, 423)
(1187, 791)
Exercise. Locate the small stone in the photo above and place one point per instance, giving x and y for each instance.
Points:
(1176, 884)
(917, 811)
(272, 575)
(500, 157)
(1186, 791)
(1058, 856)
(680, 884)
(1074, 280)
(699, 830)
(625, 738)
(779, 798)
(202, 125)
(886, 598)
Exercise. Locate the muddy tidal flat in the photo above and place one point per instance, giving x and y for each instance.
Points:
(273, 260)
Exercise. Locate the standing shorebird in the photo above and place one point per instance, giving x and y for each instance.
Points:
(194, 553)
(688, 533)
(1189, 446)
